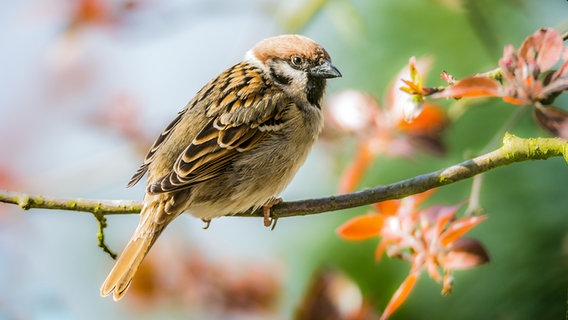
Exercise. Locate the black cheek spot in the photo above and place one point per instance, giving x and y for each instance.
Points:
(281, 79)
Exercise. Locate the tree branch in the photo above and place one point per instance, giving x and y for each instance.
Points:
(96, 207)
(514, 149)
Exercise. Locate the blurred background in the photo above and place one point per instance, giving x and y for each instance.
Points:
(86, 86)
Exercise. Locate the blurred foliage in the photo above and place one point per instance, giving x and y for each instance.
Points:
(526, 203)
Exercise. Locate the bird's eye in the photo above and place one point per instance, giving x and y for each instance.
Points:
(297, 61)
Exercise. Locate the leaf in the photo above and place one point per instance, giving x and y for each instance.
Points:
(361, 227)
(471, 87)
(544, 47)
(553, 120)
(298, 20)
(465, 253)
(400, 295)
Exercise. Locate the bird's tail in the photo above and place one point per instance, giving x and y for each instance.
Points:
(153, 221)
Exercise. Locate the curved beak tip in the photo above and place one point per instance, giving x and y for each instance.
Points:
(326, 70)
(335, 72)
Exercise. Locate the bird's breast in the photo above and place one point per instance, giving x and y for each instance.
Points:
(260, 173)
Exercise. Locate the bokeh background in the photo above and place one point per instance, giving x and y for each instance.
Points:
(86, 85)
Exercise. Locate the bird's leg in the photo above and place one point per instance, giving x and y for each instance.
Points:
(207, 223)
(266, 212)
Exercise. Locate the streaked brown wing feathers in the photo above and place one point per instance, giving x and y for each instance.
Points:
(206, 159)
(152, 152)
(242, 113)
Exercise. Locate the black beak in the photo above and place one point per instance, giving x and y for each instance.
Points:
(325, 70)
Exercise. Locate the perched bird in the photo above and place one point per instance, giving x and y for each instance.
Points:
(235, 146)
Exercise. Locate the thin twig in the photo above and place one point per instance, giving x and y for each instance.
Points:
(474, 203)
(103, 207)
(101, 219)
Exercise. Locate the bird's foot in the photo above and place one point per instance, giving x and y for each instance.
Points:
(207, 223)
(270, 221)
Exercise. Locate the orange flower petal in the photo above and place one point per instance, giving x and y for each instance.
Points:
(433, 269)
(361, 227)
(356, 169)
(380, 250)
(421, 197)
(459, 228)
(513, 100)
(443, 215)
(400, 295)
(471, 87)
(431, 119)
(388, 207)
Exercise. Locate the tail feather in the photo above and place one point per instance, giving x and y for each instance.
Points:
(128, 263)
(157, 213)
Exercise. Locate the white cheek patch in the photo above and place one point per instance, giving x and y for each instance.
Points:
(298, 78)
(282, 67)
(289, 72)
(251, 58)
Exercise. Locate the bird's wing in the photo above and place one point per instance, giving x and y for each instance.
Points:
(242, 110)
(152, 152)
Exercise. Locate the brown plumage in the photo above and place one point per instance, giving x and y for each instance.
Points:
(235, 146)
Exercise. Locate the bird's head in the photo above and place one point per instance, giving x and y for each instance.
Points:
(295, 63)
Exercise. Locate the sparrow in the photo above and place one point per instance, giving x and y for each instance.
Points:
(234, 147)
